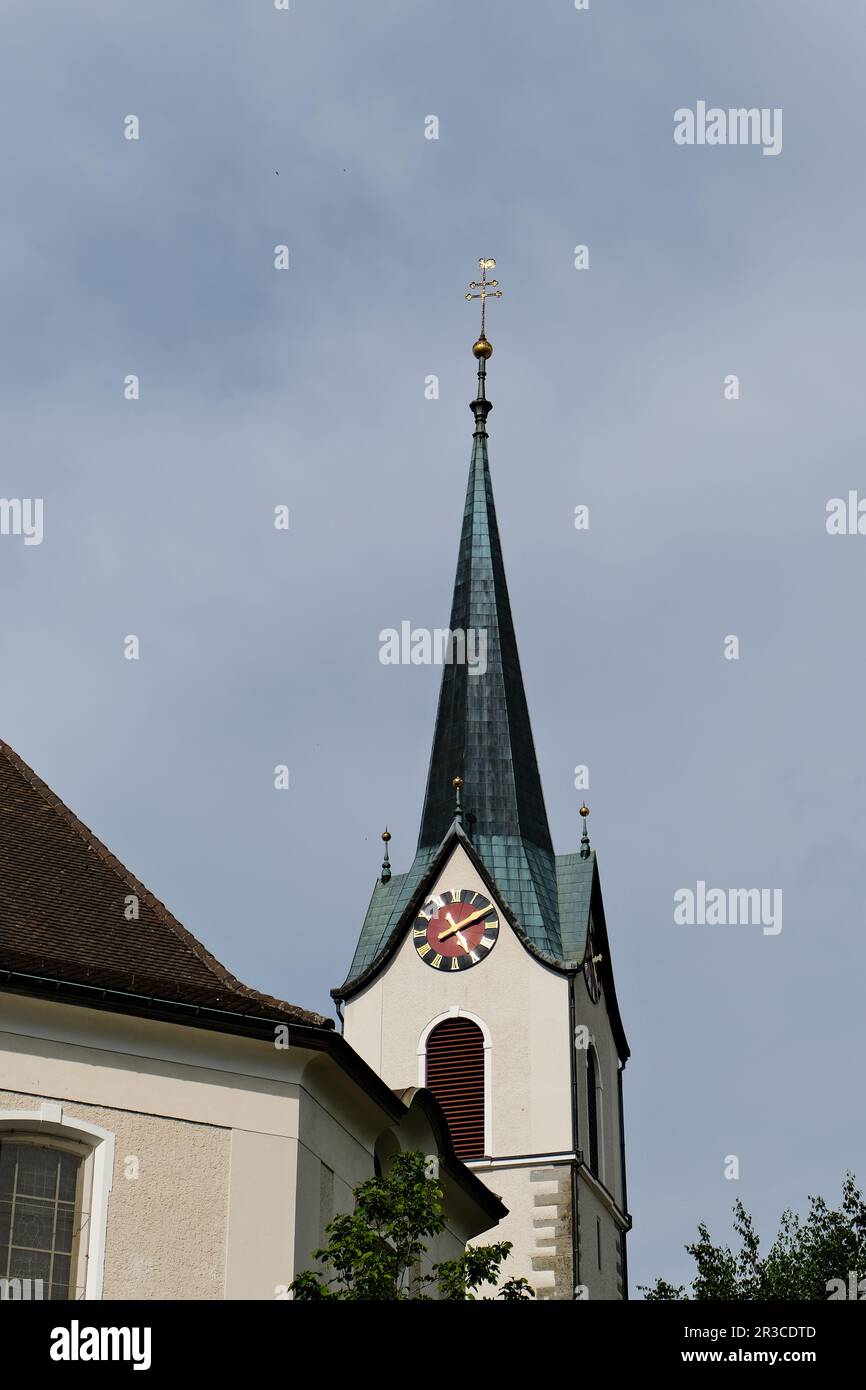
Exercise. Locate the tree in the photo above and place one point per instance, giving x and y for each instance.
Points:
(374, 1251)
(820, 1258)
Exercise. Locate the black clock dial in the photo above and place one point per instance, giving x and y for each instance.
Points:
(456, 930)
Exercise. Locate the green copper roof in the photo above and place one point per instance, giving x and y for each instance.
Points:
(482, 724)
(551, 909)
(526, 878)
(574, 891)
(387, 905)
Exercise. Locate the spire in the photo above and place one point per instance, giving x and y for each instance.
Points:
(482, 730)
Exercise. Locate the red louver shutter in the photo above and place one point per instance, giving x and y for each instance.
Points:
(455, 1075)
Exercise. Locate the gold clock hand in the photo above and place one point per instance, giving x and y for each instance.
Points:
(475, 916)
(455, 926)
(467, 922)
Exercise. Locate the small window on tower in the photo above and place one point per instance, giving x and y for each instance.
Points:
(592, 1110)
(455, 1075)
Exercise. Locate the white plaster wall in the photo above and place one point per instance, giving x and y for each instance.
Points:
(235, 1141)
(166, 1227)
(340, 1136)
(602, 1282)
(186, 1099)
(260, 1214)
(607, 1282)
(538, 1225)
(525, 1007)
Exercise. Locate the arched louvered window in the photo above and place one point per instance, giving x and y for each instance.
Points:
(455, 1075)
(592, 1110)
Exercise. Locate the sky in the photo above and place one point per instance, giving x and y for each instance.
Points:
(306, 388)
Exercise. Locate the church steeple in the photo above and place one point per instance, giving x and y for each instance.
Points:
(431, 997)
(482, 729)
(483, 749)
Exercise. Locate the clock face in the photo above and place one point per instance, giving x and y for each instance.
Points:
(455, 930)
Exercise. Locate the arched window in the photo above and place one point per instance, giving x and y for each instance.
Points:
(455, 1074)
(41, 1215)
(55, 1180)
(592, 1110)
(386, 1146)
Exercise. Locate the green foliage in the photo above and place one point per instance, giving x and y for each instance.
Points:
(479, 1264)
(375, 1251)
(801, 1265)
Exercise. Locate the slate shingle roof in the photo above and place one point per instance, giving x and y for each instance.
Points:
(62, 899)
(482, 732)
(387, 907)
(574, 878)
(556, 926)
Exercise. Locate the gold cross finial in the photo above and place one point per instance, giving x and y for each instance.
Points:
(484, 287)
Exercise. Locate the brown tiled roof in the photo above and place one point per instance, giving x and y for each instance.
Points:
(62, 899)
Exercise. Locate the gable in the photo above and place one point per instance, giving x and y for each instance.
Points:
(395, 904)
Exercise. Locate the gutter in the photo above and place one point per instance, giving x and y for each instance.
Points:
(313, 1036)
(134, 1000)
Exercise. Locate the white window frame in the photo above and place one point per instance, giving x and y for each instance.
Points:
(49, 1122)
(456, 1011)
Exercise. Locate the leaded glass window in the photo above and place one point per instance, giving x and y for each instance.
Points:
(40, 1214)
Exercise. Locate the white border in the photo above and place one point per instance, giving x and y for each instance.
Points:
(456, 1012)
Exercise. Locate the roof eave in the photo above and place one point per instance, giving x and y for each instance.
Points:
(314, 1037)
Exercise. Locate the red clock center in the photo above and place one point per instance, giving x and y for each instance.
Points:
(447, 937)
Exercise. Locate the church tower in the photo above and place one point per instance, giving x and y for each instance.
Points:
(484, 972)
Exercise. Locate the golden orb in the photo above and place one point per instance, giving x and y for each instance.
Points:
(457, 781)
(482, 348)
(386, 835)
(584, 810)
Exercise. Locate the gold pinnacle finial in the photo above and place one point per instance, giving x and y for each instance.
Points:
(485, 288)
(386, 862)
(584, 839)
